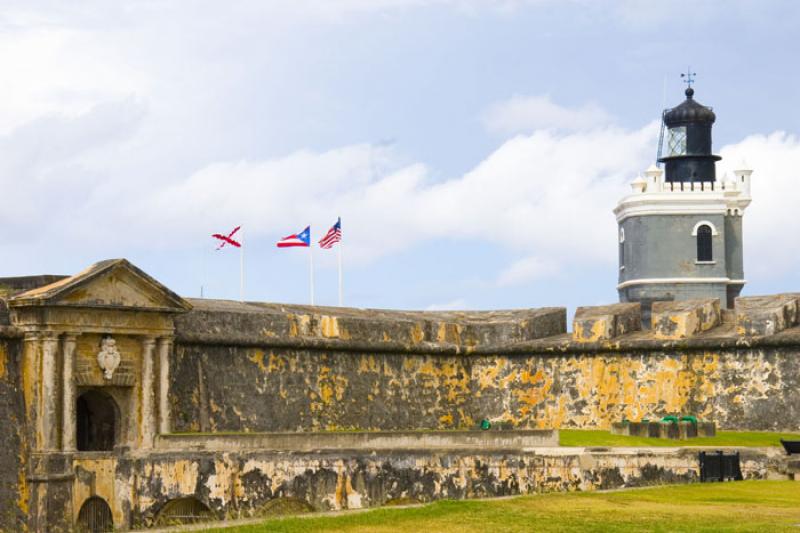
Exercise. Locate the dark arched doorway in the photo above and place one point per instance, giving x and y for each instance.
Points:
(96, 417)
(95, 516)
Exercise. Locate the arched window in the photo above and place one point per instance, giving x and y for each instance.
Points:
(704, 249)
(96, 417)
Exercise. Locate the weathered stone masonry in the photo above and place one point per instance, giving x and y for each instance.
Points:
(116, 390)
(295, 369)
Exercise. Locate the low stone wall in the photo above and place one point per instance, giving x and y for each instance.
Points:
(240, 484)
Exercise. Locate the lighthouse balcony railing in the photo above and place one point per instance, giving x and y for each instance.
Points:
(655, 182)
(698, 186)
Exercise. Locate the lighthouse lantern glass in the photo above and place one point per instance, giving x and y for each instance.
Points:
(677, 141)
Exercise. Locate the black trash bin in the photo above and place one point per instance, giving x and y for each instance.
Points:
(719, 466)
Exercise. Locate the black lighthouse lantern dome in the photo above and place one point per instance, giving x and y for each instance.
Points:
(688, 156)
(689, 111)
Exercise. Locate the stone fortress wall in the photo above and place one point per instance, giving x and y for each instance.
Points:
(241, 407)
(255, 367)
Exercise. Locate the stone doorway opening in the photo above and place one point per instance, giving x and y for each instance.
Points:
(95, 516)
(97, 417)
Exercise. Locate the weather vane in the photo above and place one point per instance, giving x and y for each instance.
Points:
(689, 77)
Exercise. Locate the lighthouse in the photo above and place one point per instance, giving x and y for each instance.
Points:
(680, 229)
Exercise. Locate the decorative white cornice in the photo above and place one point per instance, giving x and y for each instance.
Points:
(655, 281)
(682, 203)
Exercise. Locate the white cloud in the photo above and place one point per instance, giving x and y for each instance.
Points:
(532, 194)
(529, 113)
(527, 270)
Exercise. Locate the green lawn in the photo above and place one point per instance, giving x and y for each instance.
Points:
(584, 437)
(763, 506)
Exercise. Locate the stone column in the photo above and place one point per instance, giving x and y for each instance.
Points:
(69, 424)
(31, 365)
(148, 421)
(164, 347)
(49, 401)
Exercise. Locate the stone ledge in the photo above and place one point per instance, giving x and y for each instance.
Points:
(686, 318)
(765, 315)
(592, 324)
(362, 440)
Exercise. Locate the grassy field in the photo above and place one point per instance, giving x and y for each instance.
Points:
(764, 506)
(583, 437)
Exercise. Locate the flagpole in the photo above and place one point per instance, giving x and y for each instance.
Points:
(203, 261)
(241, 266)
(340, 273)
(311, 270)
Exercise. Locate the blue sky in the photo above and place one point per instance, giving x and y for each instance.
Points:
(473, 149)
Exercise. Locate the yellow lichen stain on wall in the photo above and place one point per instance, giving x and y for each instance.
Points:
(179, 477)
(23, 490)
(594, 391)
(257, 357)
(532, 389)
(329, 326)
(304, 324)
(368, 363)
(449, 333)
(3, 360)
(599, 330)
(465, 420)
(417, 334)
(292, 325)
(488, 376)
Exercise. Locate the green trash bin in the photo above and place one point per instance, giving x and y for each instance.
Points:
(485, 424)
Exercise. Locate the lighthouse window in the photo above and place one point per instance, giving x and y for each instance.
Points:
(677, 141)
(704, 250)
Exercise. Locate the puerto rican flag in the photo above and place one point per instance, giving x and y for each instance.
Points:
(298, 239)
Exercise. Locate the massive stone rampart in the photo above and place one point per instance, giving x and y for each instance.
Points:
(258, 367)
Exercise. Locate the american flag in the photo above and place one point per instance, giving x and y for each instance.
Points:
(333, 236)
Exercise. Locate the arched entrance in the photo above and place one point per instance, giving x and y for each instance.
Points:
(95, 516)
(96, 416)
(183, 511)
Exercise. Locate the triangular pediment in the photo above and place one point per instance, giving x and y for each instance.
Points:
(113, 283)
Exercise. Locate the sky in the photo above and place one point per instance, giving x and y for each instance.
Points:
(474, 149)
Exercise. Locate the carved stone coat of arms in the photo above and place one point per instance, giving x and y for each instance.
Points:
(109, 357)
